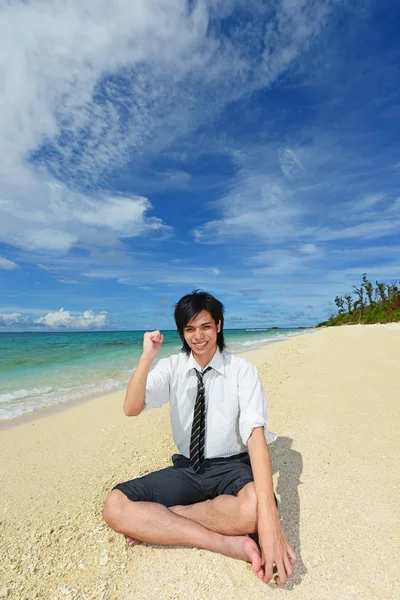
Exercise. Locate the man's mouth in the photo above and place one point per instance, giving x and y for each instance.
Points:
(200, 345)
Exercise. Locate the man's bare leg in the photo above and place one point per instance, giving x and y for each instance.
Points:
(155, 524)
(229, 515)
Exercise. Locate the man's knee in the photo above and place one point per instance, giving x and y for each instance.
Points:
(114, 508)
(248, 506)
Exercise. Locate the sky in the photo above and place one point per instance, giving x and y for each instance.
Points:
(151, 147)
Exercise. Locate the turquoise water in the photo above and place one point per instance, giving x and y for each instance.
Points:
(43, 369)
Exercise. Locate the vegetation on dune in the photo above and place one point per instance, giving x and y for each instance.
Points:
(370, 305)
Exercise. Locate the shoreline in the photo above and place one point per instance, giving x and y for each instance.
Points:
(332, 400)
(54, 409)
(67, 405)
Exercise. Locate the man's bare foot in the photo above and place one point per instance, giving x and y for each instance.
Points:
(240, 547)
(244, 548)
(130, 541)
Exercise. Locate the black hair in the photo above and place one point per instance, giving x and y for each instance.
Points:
(190, 306)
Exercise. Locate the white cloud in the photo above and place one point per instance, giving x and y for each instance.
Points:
(7, 265)
(380, 228)
(279, 262)
(47, 268)
(177, 179)
(366, 252)
(91, 86)
(290, 164)
(259, 205)
(49, 239)
(297, 22)
(266, 203)
(126, 216)
(68, 281)
(368, 201)
(61, 319)
(56, 218)
(15, 320)
(309, 249)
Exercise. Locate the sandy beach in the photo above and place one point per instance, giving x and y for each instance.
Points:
(333, 402)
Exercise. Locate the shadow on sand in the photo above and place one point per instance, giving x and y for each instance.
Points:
(288, 463)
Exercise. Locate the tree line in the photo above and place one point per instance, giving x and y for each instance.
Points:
(367, 304)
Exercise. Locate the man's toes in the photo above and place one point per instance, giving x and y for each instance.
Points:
(260, 574)
(130, 541)
(253, 555)
(256, 562)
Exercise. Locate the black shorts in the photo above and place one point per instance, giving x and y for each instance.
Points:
(181, 485)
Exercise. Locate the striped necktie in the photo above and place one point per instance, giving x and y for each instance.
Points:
(197, 437)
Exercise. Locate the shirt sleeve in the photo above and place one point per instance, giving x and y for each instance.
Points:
(252, 404)
(158, 385)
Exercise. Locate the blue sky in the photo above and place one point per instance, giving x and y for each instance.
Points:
(151, 147)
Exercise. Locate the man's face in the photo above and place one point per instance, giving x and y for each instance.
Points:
(201, 336)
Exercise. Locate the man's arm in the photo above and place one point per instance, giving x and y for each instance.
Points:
(274, 545)
(135, 394)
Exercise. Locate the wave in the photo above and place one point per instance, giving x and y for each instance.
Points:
(260, 329)
(252, 344)
(264, 340)
(15, 404)
(20, 394)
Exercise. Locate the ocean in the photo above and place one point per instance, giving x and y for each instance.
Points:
(44, 369)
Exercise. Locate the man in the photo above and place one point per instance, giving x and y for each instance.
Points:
(219, 488)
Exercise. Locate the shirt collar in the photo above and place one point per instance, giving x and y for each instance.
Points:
(217, 362)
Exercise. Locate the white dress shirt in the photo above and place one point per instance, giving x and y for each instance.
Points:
(235, 401)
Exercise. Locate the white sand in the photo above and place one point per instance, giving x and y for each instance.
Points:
(334, 402)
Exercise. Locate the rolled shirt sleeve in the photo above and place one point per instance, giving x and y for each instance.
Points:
(252, 404)
(158, 385)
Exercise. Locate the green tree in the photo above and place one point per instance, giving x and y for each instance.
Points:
(368, 287)
(380, 291)
(349, 301)
(379, 305)
(361, 298)
(392, 291)
(339, 303)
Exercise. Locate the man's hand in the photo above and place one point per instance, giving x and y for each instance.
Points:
(152, 342)
(135, 394)
(275, 550)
